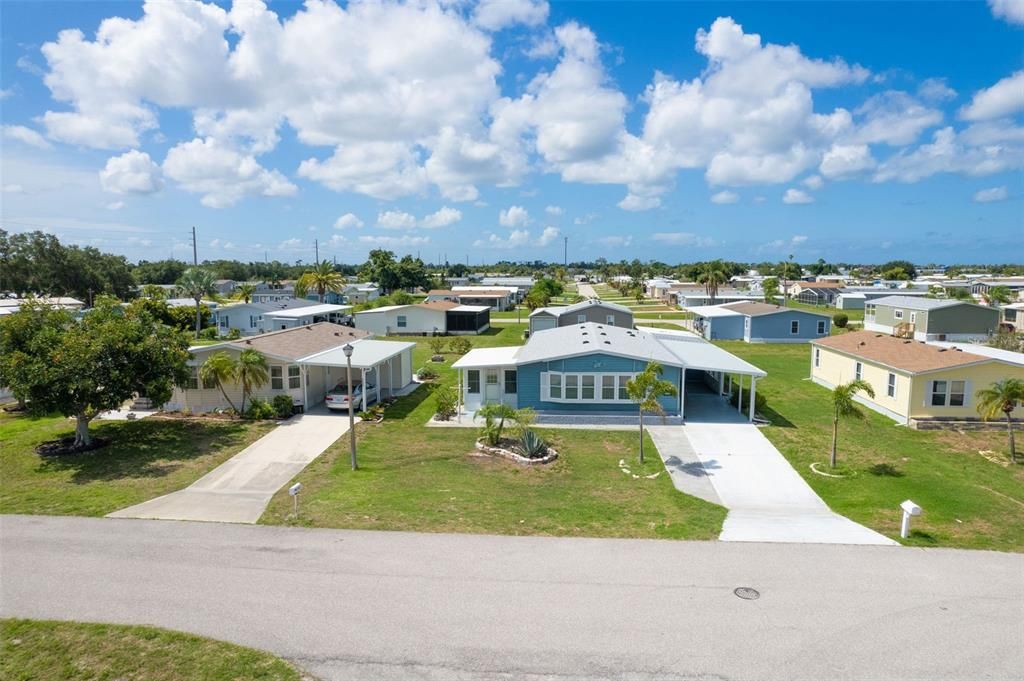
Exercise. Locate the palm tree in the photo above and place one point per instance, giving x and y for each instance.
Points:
(245, 291)
(322, 278)
(196, 283)
(712, 275)
(1002, 396)
(252, 372)
(997, 295)
(788, 270)
(645, 388)
(844, 405)
(220, 368)
(495, 414)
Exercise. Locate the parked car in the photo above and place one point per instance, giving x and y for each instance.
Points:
(337, 397)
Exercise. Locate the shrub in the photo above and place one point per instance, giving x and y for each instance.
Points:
(259, 409)
(531, 446)
(447, 402)
(460, 345)
(437, 344)
(209, 333)
(234, 334)
(760, 401)
(426, 374)
(282, 405)
(840, 320)
(402, 298)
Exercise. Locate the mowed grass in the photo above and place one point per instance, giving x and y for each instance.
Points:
(144, 459)
(970, 500)
(64, 651)
(416, 478)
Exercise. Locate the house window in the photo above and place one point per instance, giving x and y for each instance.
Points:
(293, 377)
(224, 322)
(869, 310)
(555, 389)
(956, 393)
(817, 357)
(939, 393)
(890, 389)
(492, 377)
(858, 371)
(794, 327)
(913, 318)
(572, 389)
(587, 387)
(623, 380)
(276, 382)
(193, 379)
(581, 319)
(948, 393)
(821, 326)
(898, 314)
(252, 321)
(402, 321)
(609, 320)
(511, 382)
(607, 387)
(473, 381)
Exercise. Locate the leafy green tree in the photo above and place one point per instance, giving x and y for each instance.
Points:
(843, 404)
(382, 269)
(645, 389)
(220, 368)
(1002, 397)
(770, 286)
(153, 292)
(80, 369)
(159, 271)
(959, 293)
(908, 268)
(197, 283)
(712, 275)
(401, 298)
(322, 278)
(253, 372)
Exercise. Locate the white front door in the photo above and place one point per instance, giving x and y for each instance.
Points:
(492, 389)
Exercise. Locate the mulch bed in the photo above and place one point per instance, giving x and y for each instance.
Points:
(66, 447)
(208, 416)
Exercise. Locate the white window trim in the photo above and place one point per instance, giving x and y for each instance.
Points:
(913, 318)
(545, 382)
(891, 384)
(898, 314)
(794, 331)
(297, 377)
(817, 357)
(947, 395)
(822, 328)
(858, 371)
(402, 321)
(280, 376)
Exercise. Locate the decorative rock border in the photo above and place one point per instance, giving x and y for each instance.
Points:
(814, 467)
(512, 456)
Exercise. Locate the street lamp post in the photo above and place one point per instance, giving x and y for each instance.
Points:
(351, 407)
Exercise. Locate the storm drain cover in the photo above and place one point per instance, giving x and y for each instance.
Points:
(746, 593)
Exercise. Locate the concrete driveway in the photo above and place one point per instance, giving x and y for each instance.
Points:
(239, 490)
(767, 499)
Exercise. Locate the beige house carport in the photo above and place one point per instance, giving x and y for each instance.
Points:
(390, 362)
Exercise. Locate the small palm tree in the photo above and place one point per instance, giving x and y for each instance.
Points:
(494, 414)
(1002, 396)
(645, 388)
(322, 278)
(712, 275)
(196, 283)
(997, 295)
(245, 291)
(220, 368)
(844, 405)
(252, 371)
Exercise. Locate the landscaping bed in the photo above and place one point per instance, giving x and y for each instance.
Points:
(507, 449)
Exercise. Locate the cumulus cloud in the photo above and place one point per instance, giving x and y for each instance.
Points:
(25, 135)
(935, 90)
(383, 170)
(444, 217)
(615, 241)
(404, 241)
(991, 194)
(495, 15)
(797, 196)
(637, 202)
(846, 160)
(513, 216)
(1002, 99)
(516, 239)
(1011, 11)
(553, 210)
(348, 221)
(949, 152)
(725, 197)
(548, 236)
(682, 239)
(396, 219)
(222, 175)
(133, 172)
(115, 205)
(893, 118)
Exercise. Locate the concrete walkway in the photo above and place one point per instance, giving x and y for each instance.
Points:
(586, 290)
(239, 490)
(767, 499)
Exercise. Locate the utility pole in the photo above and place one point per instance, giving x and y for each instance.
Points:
(316, 250)
(565, 255)
(195, 251)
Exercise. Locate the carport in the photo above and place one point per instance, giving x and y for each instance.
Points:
(389, 361)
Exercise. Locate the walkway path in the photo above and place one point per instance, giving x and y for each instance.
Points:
(239, 490)
(767, 499)
(586, 290)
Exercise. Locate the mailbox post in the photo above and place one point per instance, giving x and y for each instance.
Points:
(294, 491)
(910, 509)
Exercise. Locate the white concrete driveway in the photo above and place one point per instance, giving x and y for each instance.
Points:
(767, 499)
(239, 490)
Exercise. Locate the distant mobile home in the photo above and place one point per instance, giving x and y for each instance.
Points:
(593, 310)
(930, 319)
(759, 323)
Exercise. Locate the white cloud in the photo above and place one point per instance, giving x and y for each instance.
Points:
(797, 196)
(1012, 11)
(25, 136)
(950, 153)
(516, 239)
(6, 92)
(893, 118)
(495, 15)
(513, 216)
(1002, 99)
(348, 221)
(383, 170)
(404, 241)
(115, 205)
(230, 246)
(548, 236)
(397, 219)
(13, 189)
(133, 172)
(635, 202)
(444, 217)
(616, 241)
(813, 182)
(843, 161)
(336, 241)
(553, 210)
(798, 239)
(585, 219)
(291, 245)
(935, 90)
(222, 175)
(682, 239)
(725, 197)
(991, 194)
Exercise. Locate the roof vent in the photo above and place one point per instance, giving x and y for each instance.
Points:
(586, 342)
(607, 342)
(942, 349)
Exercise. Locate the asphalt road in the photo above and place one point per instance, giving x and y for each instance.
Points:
(374, 605)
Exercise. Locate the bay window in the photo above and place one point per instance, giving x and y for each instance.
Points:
(585, 387)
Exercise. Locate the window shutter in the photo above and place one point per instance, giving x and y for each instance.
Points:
(929, 387)
(545, 386)
(967, 393)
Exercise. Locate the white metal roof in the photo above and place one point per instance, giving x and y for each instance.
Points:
(470, 308)
(712, 311)
(694, 352)
(384, 308)
(488, 357)
(584, 339)
(979, 349)
(582, 305)
(307, 311)
(918, 303)
(366, 353)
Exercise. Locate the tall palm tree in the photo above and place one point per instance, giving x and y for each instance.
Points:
(844, 405)
(245, 291)
(252, 371)
(220, 368)
(196, 283)
(321, 278)
(712, 275)
(645, 388)
(788, 270)
(997, 295)
(1002, 396)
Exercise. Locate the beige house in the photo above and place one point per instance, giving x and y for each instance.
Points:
(915, 383)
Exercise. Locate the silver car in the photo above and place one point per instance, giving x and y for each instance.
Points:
(337, 397)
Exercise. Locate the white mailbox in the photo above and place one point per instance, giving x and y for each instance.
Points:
(295, 489)
(910, 509)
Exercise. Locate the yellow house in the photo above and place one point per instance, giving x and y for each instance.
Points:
(915, 383)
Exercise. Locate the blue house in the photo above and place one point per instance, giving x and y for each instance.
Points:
(582, 371)
(759, 323)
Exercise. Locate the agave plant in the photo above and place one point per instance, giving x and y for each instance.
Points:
(531, 445)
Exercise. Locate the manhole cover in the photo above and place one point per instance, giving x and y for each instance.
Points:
(746, 593)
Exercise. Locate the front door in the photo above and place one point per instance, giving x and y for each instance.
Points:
(492, 390)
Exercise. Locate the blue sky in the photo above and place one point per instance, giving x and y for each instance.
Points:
(659, 130)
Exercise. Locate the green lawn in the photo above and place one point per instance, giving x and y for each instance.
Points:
(852, 315)
(145, 459)
(65, 651)
(427, 479)
(969, 501)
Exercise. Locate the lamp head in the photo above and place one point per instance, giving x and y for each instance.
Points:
(348, 349)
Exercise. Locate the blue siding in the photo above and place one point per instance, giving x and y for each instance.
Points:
(775, 327)
(529, 382)
(724, 328)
